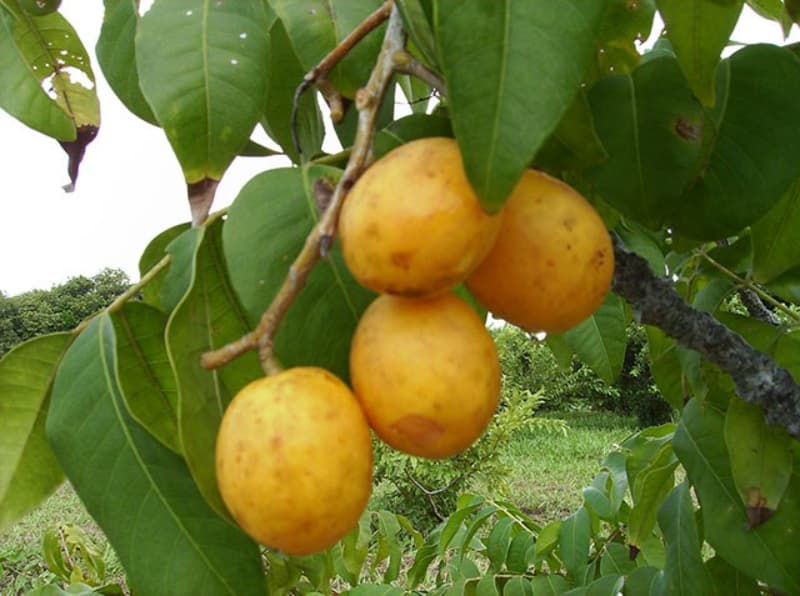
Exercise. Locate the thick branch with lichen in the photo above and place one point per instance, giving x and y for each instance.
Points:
(368, 101)
(757, 377)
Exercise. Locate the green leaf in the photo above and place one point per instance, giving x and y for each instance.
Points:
(264, 232)
(203, 68)
(487, 586)
(178, 277)
(286, 74)
(389, 528)
(548, 539)
(610, 585)
(518, 586)
(475, 524)
(761, 458)
(504, 63)
(651, 486)
(135, 488)
(38, 54)
(765, 553)
(453, 524)
(652, 127)
(207, 318)
(642, 581)
(376, 590)
(574, 538)
(29, 471)
(521, 553)
(598, 502)
(153, 253)
(499, 542)
(409, 128)
(549, 585)
(685, 572)
(600, 340)
(616, 560)
(774, 251)
(143, 371)
(425, 555)
(419, 29)
(116, 54)
(665, 366)
(315, 27)
(699, 54)
(729, 581)
(755, 154)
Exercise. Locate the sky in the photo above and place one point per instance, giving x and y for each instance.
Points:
(130, 187)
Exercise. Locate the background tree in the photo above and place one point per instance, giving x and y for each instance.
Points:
(693, 161)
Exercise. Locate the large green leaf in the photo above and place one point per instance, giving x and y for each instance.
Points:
(766, 553)
(144, 373)
(263, 234)
(729, 581)
(761, 458)
(203, 68)
(38, 54)
(775, 248)
(286, 73)
(653, 483)
(755, 155)
(140, 493)
(156, 250)
(116, 54)
(510, 77)
(317, 26)
(208, 317)
(699, 30)
(28, 468)
(665, 366)
(684, 574)
(651, 126)
(600, 340)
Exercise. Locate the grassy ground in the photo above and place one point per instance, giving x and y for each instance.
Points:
(548, 474)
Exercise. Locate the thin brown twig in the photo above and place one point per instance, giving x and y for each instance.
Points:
(321, 70)
(318, 242)
(405, 63)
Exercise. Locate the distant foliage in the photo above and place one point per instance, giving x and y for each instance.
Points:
(60, 308)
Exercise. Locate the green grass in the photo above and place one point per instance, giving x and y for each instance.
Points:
(548, 472)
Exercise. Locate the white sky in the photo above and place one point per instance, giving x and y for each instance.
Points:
(130, 187)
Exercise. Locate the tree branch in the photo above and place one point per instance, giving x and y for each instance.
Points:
(319, 240)
(757, 377)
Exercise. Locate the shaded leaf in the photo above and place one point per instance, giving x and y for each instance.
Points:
(651, 486)
(755, 155)
(419, 28)
(116, 54)
(315, 27)
(409, 128)
(207, 317)
(505, 62)
(616, 560)
(178, 277)
(286, 73)
(697, 54)
(517, 586)
(600, 340)
(652, 128)
(665, 366)
(549, 585)
(729, 581)
(499, 542)
(762, 552)
(29, 471)
(203, 68)
(521, 553)
(143, 371)
(775, 250)
(156, 250)
(264, 232)
(642, 581)
(135, 488)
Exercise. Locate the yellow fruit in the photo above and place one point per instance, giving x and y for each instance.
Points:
(552, 264)
(426, 373)
(294, 460)
(412, 225)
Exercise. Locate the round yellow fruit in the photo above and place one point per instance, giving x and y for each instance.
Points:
(552, 264)
(412, 225)
(294, 460)
(426, 373)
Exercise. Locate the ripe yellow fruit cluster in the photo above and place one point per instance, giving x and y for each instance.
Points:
(294, 457)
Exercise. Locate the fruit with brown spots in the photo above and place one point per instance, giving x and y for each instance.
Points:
(552, 264)
(426, 373)
(294, 460)
(412, 225)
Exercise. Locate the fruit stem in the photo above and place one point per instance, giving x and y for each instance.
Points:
(405, 63)
(320, 238)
